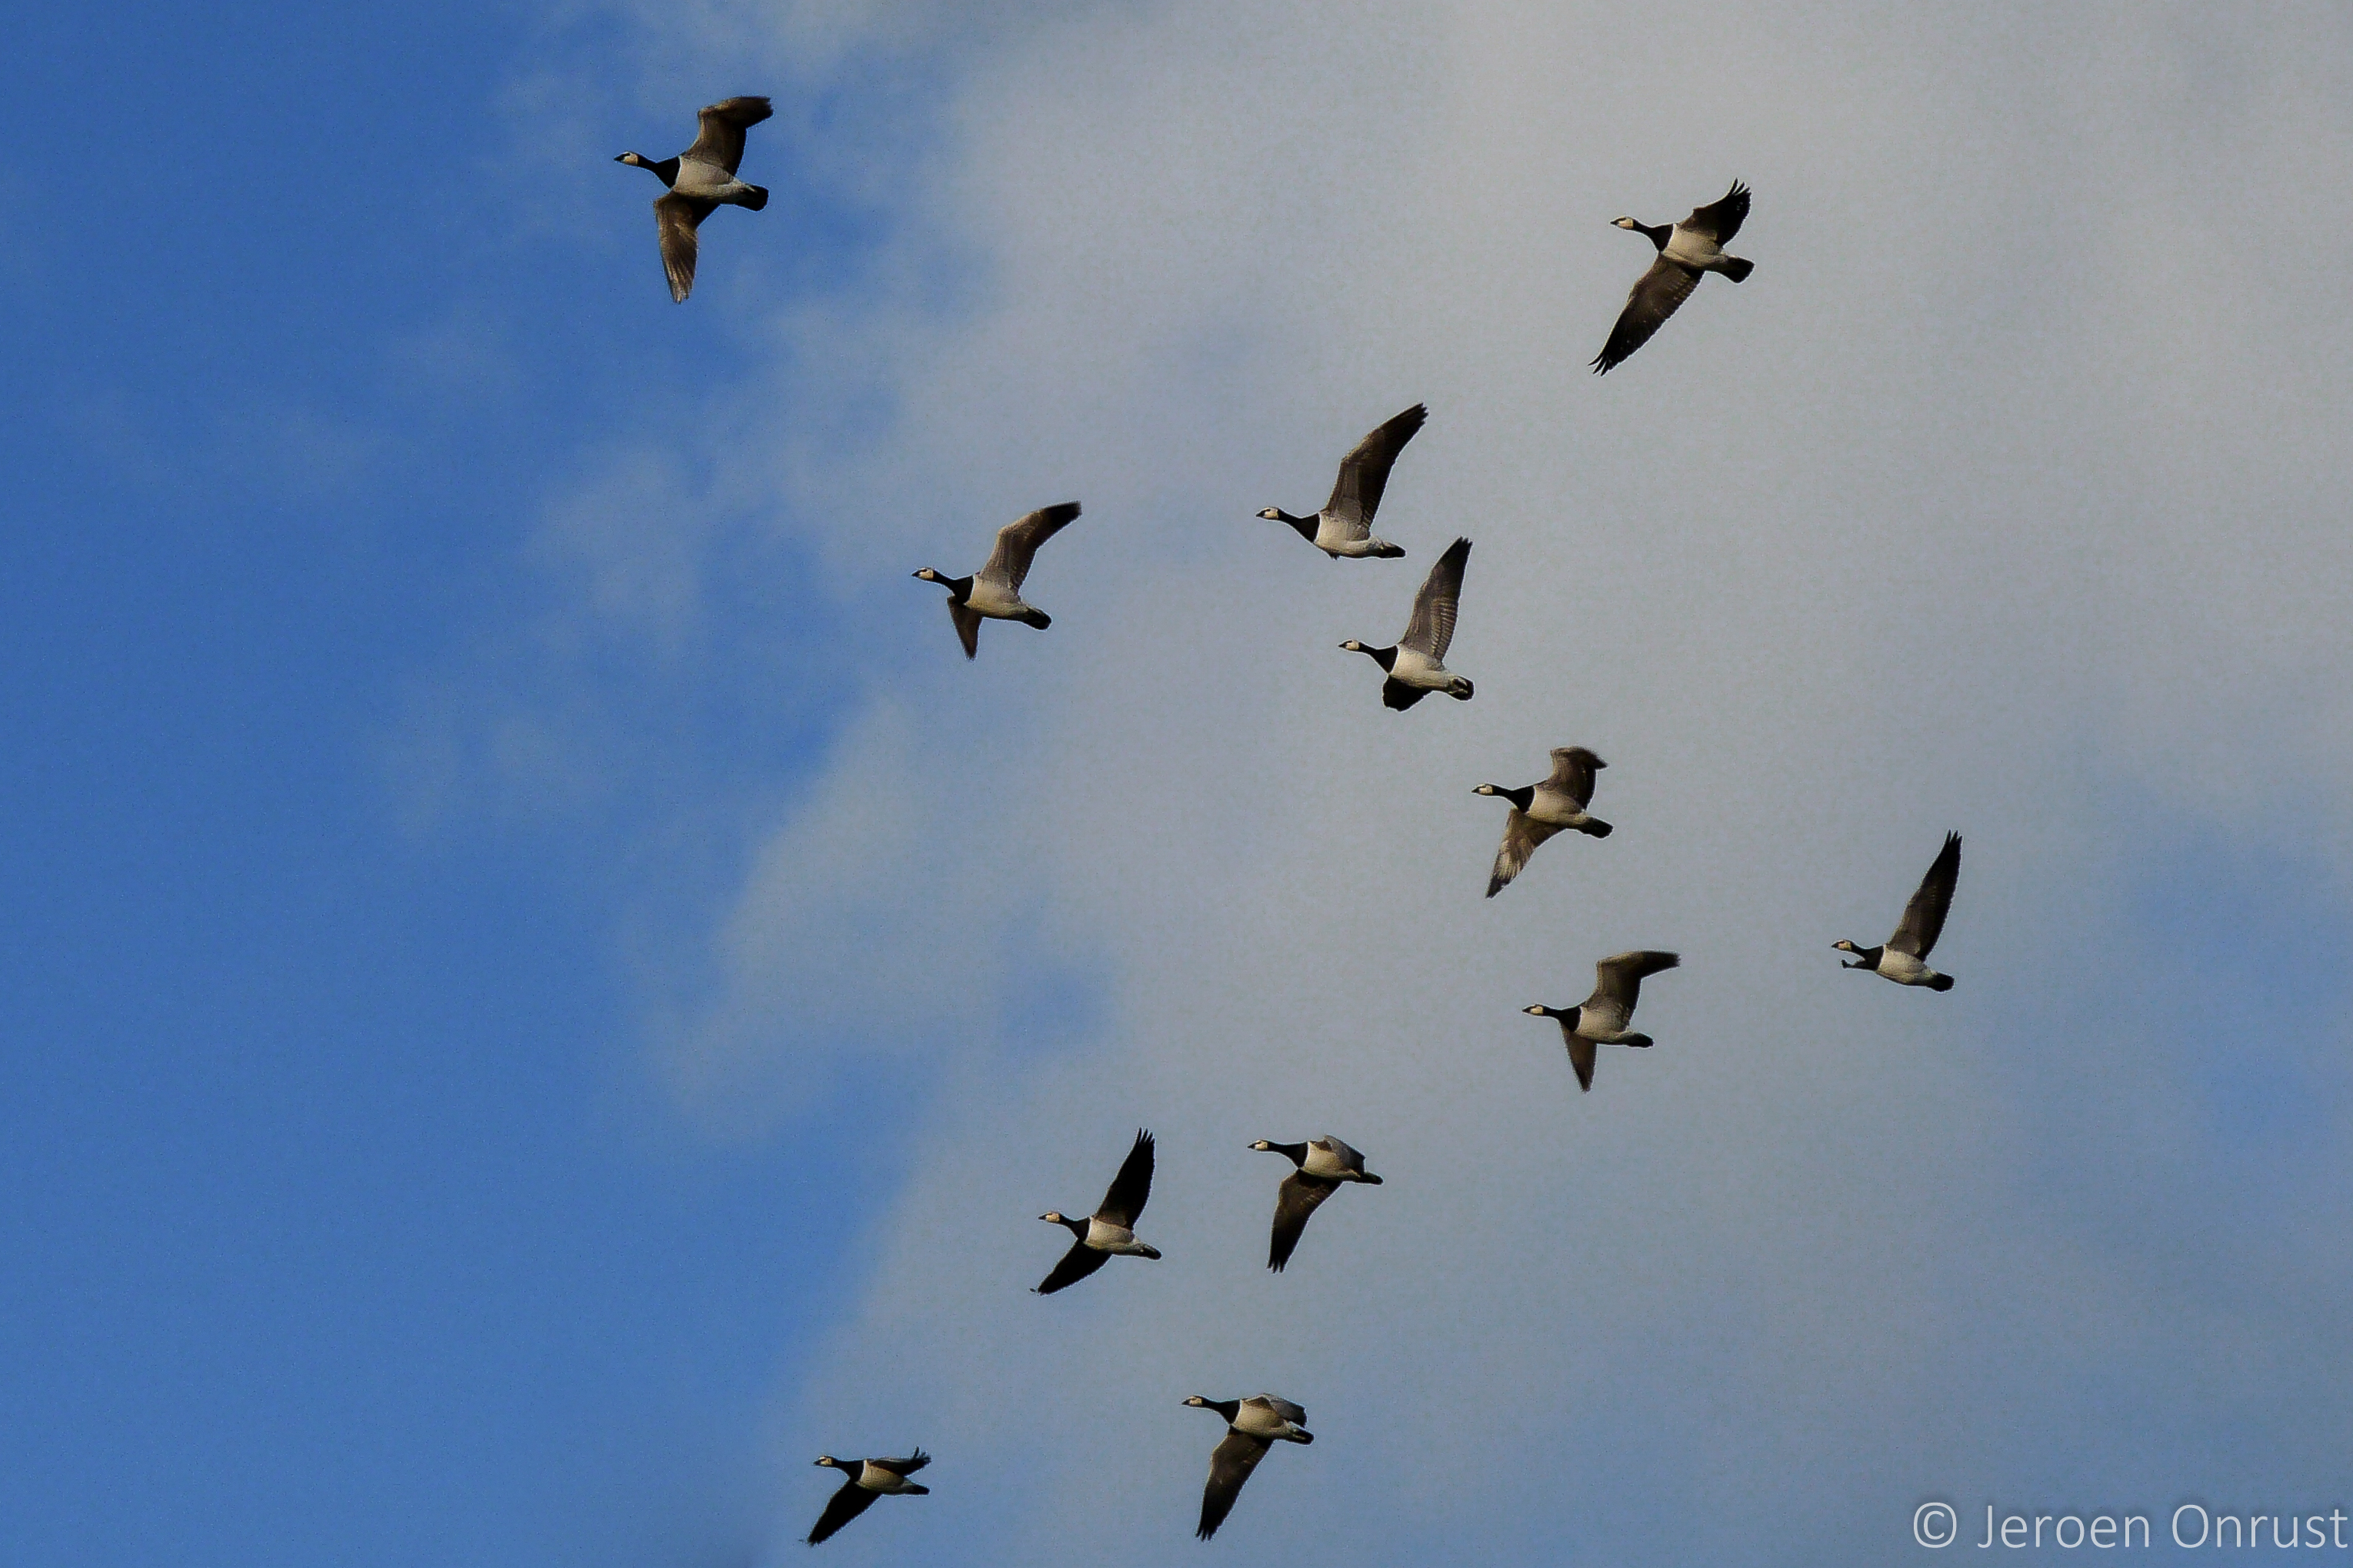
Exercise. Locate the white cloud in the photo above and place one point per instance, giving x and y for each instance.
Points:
(2005, 495)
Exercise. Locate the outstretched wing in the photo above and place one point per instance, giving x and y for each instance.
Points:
(904, 1467)
(1522, 834)
(1295, 1415)
(1017, 542)
(1129, 1191)
(1397, 694)
(1617, 980)
(843, 1506)
(1719, 221)
(1580, 1054)
(721, 141)
(967, 625)
(1655, 298)
(675, 218)
(1572, 773)
(1365, 472)
(1431, 629)
(1076, 1265)
(1293, 1201)
(1924, 917)
(1230, 1467)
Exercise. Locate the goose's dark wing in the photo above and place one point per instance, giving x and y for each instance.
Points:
(904, 1467)
(1924, 917)
(1581, 1052)
(1017, 542)
(721, 141)
(1619, 979)
(1293, 1201)
(843, 1507)
(1230, 1467)
(1132, 1188)
(1720, 220)
(1397, 694)
(675, 218)
(1365, 472)
(1663, 288)
(1076, 1265)
(1431, 629)
(967, 625)
(1572, 773)
(1522, 834)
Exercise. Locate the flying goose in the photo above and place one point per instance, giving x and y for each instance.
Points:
(700, 180)
(1904, 957)
(1345, 526)
(1417, 664)
(995, 590)
(863, 1480)
(1691, 248)
(1540, 810)
(1113, 1228)
(1323, 1164)
(1602, 1017)
(1253, 1426)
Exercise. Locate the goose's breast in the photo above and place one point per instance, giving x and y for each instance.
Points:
(1418, 669)
(1901, 966)
(989, 598)
(1554, 809)
(1690, 249)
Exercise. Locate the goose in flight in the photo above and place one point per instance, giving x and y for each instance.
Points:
(1540, 810)
(1113, 1228)
(863, 1480)
(1323, 1164)
(702, 179)
(1601, 1018)
(995, 590)
(1417, 664)
(1345, 526)
(1903, 958)
(1691, 248)
(1253, 1426)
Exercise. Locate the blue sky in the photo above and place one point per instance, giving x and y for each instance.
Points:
(543, 994)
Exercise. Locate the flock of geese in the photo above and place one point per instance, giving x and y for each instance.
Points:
(703, 178)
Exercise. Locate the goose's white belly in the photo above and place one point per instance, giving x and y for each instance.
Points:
(708, 181)
(874, 1478)
(1554, 809)
(992, 600)
(1604, 1025)
(1332, 537)
(1324, 1163)
(1106, 1237)
(1692, 250)
(1902, 967)
(1260, 1421)
(1414, 668)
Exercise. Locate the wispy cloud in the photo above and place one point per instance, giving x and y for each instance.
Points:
(2003, 497)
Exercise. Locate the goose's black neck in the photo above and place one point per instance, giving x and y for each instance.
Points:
(1384, 656)
(1228, 1408)
(667, 168)
(1305, 525)
(959, 588)
(1295, 1152)
(1077, 1227)
(1656, 234)
(1520, 797)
